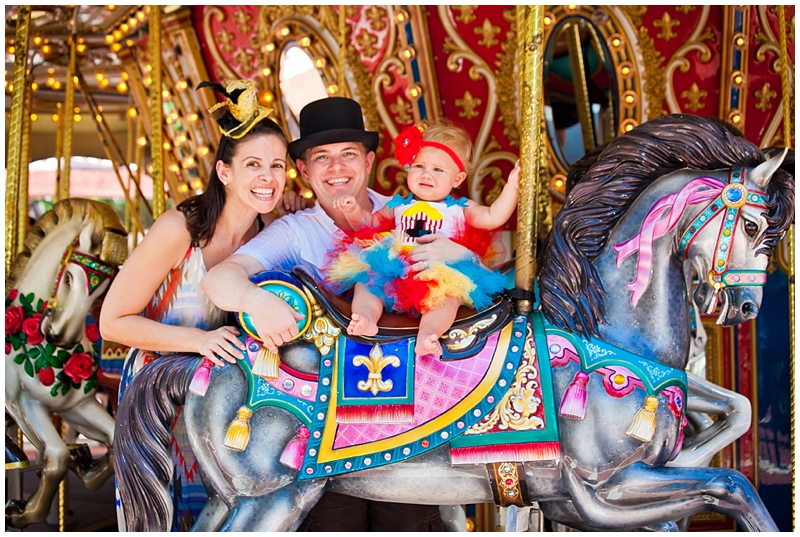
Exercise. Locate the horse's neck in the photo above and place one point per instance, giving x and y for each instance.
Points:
(658, 325)
(40, 272)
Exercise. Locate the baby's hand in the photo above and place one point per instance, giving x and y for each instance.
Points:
(513, 177)
(346, 203)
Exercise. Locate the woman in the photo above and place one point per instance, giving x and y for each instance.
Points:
(156, 305)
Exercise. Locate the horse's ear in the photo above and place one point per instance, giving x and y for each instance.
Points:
(762, 173)
(85, 237)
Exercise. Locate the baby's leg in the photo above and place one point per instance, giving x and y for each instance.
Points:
(366, 310)
(433, 324)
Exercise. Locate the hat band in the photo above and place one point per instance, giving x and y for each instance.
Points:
(447, 150)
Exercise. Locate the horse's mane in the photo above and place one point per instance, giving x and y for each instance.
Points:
(109, 233)
(571, 291)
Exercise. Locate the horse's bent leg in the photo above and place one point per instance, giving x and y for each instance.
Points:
(54, 459)
(642, 495)
(735, 414)
(564, 512)
(90, 418)
(280, 510)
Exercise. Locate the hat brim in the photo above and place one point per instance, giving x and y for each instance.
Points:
(334, 136)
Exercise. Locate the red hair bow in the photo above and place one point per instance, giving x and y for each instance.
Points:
(407, 145)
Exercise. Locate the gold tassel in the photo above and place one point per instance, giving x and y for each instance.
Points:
(644, 424)
(266, 363)
(238, 434)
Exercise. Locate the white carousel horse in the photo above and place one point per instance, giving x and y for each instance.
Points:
(72, 252)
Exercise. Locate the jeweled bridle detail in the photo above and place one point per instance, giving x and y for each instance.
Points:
(666, 213)
(96, 271)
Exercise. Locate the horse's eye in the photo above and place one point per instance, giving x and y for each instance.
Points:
(751, 228)
(68, 279)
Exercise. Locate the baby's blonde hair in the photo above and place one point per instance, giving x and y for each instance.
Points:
(453, 136)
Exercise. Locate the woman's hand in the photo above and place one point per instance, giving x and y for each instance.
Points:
(432, 248)
(221, 343)
(291, 202)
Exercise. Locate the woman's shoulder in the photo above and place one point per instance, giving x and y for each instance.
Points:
(170, 228)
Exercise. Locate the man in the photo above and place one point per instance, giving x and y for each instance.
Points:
(334, 154)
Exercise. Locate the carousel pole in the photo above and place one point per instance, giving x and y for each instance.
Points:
(342, 49)
(786, 98)
(59, 143)
(139, 165)
(129, 154)
(15, 135)
(68, 113)
(156, 110)
(530, 69)
(25, 158)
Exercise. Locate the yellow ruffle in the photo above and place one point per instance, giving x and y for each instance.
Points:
(451, 283)
(345, 267)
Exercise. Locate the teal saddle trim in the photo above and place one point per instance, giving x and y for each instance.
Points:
(595, 353)
(261, 393)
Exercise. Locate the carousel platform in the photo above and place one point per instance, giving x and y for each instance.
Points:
(85, 511)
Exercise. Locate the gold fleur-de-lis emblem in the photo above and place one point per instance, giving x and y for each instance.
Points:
(487, 31)
(695, 95)
(468, 104)
(666, 24)
(764, 96)
(375, 363)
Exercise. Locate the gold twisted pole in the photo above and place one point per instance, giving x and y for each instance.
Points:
(25, 158)
(15, 135)
(68, 114)
(156, 111)
(530, 67)
(342, 48)
(786, 98)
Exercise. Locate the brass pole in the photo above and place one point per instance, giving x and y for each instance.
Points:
(530, 147)
(156, 110)
(786, 98)
(130, 156)
(342, 48)
(15, 135)
(68, 112)
(520, 22)
(59, 145)
(580, 85)
(139, 166)
(25, 158)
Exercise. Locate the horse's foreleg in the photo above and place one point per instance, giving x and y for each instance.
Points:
(564, 512)
(642, 495)
(90, 418)
(41, 432)
(281, 510)
(214, 512)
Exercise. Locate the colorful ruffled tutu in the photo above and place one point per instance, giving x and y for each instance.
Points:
(379, 260)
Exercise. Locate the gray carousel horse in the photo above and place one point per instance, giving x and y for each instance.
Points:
(610, 342)
(71, 254)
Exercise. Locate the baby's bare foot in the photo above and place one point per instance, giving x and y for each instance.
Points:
(428, 344)
(362, 325)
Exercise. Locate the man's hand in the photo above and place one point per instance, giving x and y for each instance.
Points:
(274, 320)
(436, 248)
(346, 203)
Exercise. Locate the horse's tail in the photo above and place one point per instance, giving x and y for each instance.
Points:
(142, 438)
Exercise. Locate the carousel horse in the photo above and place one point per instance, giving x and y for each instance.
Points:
(71, 254)
(577, 406)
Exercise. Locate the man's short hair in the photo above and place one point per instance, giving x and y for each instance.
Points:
(304, 155)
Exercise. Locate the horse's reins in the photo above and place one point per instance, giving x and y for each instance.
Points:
(731, 200)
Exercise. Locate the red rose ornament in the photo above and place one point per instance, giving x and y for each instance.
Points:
(15, 315)
(31, 329)
(79, 367)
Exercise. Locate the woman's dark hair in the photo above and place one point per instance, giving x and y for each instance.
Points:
(203, 210)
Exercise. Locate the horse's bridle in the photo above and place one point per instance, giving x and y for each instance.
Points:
(730, 201)
(97, 271)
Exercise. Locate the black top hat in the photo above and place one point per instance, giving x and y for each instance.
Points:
(329, 121)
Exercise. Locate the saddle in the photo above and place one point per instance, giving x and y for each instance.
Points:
(466, 337)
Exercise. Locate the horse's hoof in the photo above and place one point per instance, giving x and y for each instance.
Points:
(80, 456)
(14, 510)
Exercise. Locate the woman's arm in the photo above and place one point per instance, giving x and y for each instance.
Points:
(142, 274)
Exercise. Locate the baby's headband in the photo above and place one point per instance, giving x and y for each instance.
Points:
(242, 102)
(409, 142)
